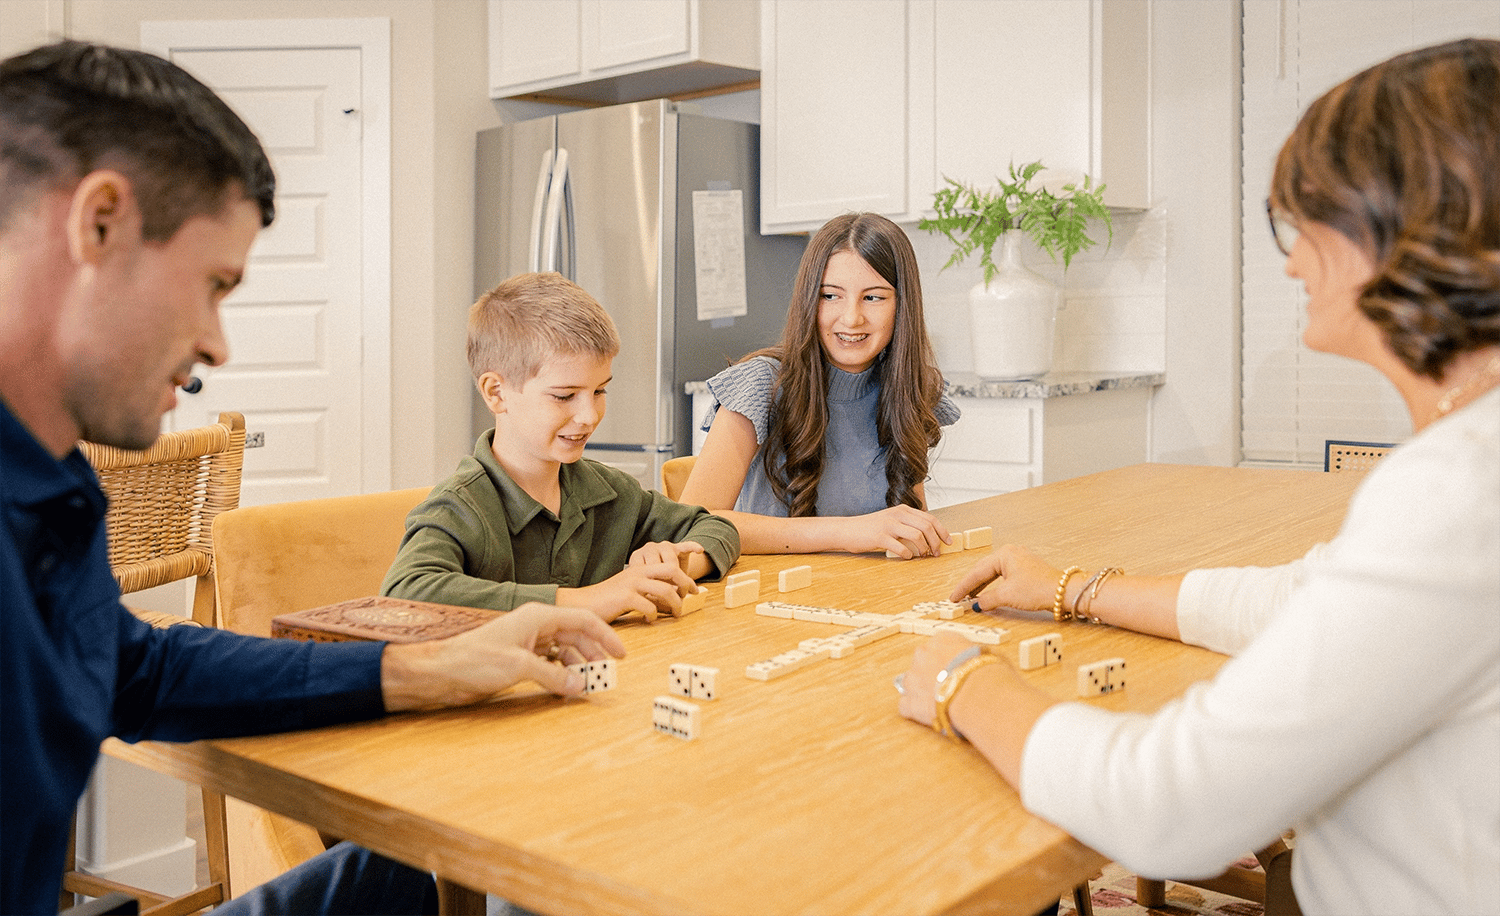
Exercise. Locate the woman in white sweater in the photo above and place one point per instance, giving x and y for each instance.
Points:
(1362, 704)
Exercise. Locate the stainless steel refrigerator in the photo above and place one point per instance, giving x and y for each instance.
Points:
(641, 205)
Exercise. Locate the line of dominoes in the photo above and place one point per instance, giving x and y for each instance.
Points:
(865, 628)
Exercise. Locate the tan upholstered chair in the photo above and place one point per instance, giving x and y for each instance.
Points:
(287, 557)
(162, 506)
(674, 475)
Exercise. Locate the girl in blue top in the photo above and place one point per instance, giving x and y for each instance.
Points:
(824, 440)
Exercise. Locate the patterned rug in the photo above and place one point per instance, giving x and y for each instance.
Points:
(1113, 894)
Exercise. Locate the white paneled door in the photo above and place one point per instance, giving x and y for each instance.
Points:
(295, 326)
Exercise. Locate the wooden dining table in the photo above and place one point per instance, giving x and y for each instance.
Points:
(807, 793)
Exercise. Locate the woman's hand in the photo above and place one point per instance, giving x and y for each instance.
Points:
(919, 683)
(1011, 577)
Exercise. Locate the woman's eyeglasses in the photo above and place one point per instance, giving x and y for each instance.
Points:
(1283, 230)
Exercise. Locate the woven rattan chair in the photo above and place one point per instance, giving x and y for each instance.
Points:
(162, 505)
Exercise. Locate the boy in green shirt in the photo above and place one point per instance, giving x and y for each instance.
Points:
(527, 517)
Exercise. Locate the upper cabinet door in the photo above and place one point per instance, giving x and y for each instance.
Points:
(875, 112)
(835, 103)
(534, 42)
(611, 51)
(1013, 83)
(627, 32)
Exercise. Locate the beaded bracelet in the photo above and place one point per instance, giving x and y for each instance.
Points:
(1062, 586)
(948, 689)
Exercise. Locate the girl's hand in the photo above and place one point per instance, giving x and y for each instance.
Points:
(1011, 577)
(900, 530)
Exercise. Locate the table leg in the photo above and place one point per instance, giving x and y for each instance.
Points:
(456, 900)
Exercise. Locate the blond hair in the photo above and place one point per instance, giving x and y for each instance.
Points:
(530, 318)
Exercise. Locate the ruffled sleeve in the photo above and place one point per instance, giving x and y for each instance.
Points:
(947, 411)
(745, 388)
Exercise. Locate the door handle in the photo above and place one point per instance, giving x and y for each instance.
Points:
(538, 204)
(552, 222)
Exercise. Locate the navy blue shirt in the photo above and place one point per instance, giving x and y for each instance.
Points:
(76, 667)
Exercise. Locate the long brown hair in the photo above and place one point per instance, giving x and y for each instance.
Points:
(1401, 160)
(910, 383)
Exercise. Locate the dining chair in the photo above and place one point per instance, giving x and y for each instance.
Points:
(1339, 455)
(286, 557)
(162, 505)
(674, 474)
(1270, 887)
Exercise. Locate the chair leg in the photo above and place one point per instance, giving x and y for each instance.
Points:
(1083, 901)
(1150, 892)
(216, 839)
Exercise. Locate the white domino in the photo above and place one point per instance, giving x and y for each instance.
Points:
(745, 591)
(978, 537)
(746, 576)
(774, 609)
(675, 717)
(596, 676)
(990, 636)
(1101, 677)
(704, 682)
(680, 680)
(955, 547)
(692, 602)
(947, 610)
(1040, 650)
(792, 579)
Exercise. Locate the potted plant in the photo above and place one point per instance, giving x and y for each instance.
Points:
(1014, 309)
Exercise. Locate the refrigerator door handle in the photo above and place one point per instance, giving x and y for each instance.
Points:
(552, 222)
(534, 248)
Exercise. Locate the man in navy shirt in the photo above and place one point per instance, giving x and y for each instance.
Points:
(129, 197)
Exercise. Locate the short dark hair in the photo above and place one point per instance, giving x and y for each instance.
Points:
(1402, 160)
(71, 107)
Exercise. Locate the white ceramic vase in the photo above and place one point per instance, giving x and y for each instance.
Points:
(1014, 318)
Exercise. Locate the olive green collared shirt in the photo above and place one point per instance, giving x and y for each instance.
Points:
(479, 540)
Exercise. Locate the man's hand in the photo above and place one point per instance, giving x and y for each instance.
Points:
(478, 664)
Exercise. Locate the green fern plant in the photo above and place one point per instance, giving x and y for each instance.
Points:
(973, 220)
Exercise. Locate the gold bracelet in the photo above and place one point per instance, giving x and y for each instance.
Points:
(1058, 613)
(1104, 575)
(949, 689)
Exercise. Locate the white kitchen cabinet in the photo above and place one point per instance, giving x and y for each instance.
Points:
(1001, 444)
(610, 51)
(911, 91)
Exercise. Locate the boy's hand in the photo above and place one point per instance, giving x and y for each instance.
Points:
(478, 664)
(649, 588)
(689, 555)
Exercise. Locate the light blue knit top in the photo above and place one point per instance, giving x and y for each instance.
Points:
(853, 481)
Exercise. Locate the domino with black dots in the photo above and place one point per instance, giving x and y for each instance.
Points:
(1101, 677)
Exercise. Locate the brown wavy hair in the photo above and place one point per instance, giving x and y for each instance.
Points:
(910, 383)
(1403, 159)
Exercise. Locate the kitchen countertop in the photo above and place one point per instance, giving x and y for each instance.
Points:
(1051, 385)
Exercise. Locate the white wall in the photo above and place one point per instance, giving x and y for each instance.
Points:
(439, 99)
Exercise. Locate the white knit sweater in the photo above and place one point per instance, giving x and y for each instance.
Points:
(1362, 706)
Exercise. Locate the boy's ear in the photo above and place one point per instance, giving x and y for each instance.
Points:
(492, 388)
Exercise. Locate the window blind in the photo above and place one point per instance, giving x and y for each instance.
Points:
(1294, 399)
